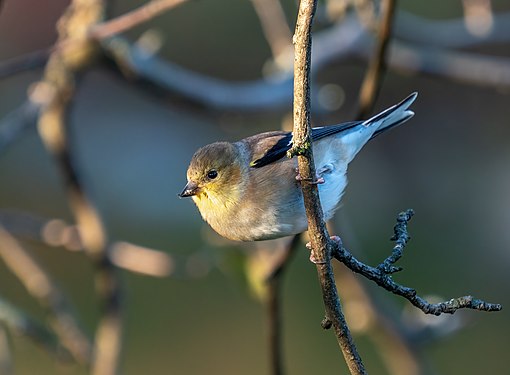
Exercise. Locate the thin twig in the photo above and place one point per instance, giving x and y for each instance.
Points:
(274, 306)
(396, 346)
(381, 275)
(319, 238)
(39, 284)
(401, 238)
(373, 76)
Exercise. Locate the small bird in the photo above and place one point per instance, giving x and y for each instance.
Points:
(250, 191)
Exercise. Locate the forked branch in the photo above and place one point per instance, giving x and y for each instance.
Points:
(381, 275)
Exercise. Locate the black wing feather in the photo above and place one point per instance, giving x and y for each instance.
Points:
(276, 152)
(279, 150)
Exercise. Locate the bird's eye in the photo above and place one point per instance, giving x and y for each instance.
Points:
(212, 174)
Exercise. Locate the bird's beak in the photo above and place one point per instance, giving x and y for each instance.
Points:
(189, 190)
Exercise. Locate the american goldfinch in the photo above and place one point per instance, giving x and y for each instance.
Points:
(249, 190)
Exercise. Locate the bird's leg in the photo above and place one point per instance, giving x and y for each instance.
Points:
(308, 245)
(318, 178)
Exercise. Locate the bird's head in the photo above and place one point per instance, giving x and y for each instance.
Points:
(214, 176)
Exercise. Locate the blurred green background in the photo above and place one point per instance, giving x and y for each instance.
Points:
(451, 163)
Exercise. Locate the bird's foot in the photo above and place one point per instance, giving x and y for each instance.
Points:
(314, 260)
(316, 181)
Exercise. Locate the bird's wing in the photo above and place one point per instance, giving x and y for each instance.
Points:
(270, 147)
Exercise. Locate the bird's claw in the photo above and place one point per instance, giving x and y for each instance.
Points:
(312, 256)
(308, 245)
(317, 181)
(315, 260)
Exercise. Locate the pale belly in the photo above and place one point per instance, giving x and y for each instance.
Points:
(292, 219)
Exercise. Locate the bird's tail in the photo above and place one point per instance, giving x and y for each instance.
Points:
(358, 134)
(391, 117)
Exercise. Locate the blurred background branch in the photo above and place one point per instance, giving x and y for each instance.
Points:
(133, 18)
(5, 350)
(38, 284)
(274, 280)
(377, 63)
(415, 30)
(15, 123)
(125, 255)
(100, 30)
(55, 92)
(350, 40)
(20, 64)
(20, 323)
(275, 28)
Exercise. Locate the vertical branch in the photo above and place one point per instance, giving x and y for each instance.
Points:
(373, 76)
(55, 93)
(321, 246)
